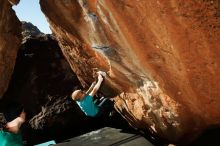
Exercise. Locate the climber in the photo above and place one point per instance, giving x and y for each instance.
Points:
(85, 100)
(10, 124)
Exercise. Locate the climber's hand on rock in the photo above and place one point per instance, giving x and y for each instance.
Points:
(100, 78)
(102, 73)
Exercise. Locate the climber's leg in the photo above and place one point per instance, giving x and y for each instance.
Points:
(103, 101)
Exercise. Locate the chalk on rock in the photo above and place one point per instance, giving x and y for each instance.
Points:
(102, 73)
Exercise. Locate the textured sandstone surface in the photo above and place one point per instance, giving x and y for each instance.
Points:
(40, 75)
(42, 80)
(10, 38)
(162, 58)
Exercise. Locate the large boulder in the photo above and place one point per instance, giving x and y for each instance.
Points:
(43, 82)
(29, 31)
(162, 58)
(10, 39)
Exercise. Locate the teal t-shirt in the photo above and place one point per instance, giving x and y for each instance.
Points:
(87, 106)
(10, 139)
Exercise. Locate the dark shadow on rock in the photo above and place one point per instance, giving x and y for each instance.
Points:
(43, 82)
(210, 137)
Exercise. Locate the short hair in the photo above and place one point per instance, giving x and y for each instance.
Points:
(75, 94)
(12, 111)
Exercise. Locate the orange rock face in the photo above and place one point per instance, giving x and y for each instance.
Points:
(10, 39)
(162, 58)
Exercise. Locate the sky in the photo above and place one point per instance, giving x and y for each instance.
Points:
(29, 10)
